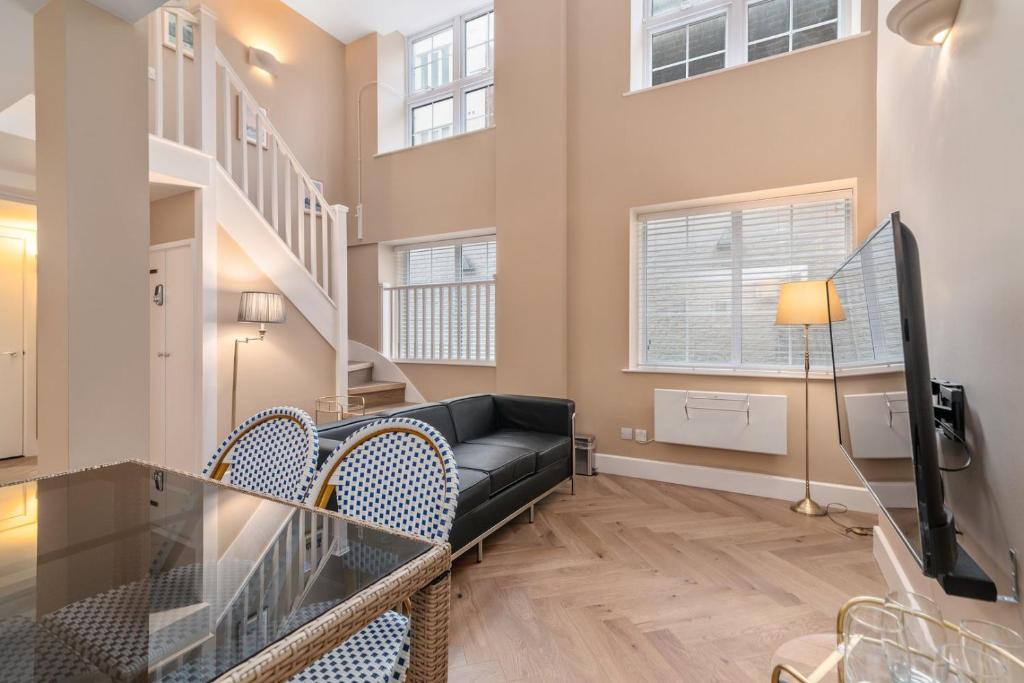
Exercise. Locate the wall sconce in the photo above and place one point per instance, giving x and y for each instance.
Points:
(261, 59)
(923, 22)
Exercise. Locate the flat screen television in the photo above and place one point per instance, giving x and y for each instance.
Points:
(884, 395)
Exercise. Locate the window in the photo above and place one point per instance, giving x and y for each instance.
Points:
(686, 38)
(432, 121)
(707, 280)
(451, 78)
(777, 26)
(443, 309)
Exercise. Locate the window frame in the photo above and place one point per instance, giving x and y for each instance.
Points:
(460, 84)
(775, 197)
(736, 33)
(394, 253)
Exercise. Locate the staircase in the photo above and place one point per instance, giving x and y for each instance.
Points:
(380, 396)
(207, 131)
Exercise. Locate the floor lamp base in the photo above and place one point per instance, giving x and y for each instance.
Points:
(808, 507)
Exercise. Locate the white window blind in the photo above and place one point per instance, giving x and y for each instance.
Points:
(708, 280)
(444, 306)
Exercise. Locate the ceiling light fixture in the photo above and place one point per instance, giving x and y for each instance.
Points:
(923, 22)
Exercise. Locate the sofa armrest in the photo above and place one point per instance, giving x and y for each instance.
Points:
(535, 414)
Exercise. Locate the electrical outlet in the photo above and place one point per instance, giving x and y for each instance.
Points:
(640, 435)
(626, 433)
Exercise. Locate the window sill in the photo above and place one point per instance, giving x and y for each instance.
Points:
(712, 74)
(728, 372)
(465, 363)
(457, 136)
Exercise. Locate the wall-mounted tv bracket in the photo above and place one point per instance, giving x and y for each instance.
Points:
(1014, 597)
(948, 405)
(949, 401)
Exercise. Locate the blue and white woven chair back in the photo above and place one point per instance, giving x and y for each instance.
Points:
(273, 452)
(397, 472)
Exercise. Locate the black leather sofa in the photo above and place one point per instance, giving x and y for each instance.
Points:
(511, 452)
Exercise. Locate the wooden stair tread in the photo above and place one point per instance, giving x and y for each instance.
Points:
(354, 365)
(375, 387)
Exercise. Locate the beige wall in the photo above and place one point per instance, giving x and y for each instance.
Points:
(797, 119)
(559, 187)
(305, 101)
(437, 382)
(949, 148)
(292, 367)
(173, 218)
(408, 194)
(93, 199)
(532, 190)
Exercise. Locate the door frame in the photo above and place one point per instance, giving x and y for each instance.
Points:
(29, 367)
(197, 346)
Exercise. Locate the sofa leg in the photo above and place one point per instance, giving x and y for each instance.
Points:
(480, 552)
(532, 507)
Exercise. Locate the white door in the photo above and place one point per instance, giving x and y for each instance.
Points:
(12, 347)
(172, 360)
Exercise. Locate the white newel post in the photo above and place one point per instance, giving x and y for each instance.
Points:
(339, 292)
(207, 80)
(206, 240)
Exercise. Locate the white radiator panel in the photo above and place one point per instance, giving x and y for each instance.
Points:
(879, 425)
(738, 422)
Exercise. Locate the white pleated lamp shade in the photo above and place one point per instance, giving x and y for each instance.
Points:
(261, 307)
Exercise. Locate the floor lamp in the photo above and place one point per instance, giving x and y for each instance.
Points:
(255, 307)
(812, 302)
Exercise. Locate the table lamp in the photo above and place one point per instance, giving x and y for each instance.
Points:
(255, 307)
(811, 302)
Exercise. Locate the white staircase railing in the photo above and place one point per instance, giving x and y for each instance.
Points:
(443, 322)
(212, 110)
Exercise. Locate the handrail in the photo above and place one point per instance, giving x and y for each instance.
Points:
(439, 322)
(269, 127)
(444, 285)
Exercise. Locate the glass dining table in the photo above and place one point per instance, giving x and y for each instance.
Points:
(130, 572)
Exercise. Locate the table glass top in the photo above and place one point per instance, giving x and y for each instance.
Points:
(129, 572)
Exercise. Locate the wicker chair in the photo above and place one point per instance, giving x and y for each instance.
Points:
(399, 473)
(273, 452)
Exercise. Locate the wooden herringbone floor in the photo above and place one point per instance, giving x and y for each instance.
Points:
(632, 580)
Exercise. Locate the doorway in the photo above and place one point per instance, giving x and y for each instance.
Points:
(172, 378)
(18, 427)
(13, 257)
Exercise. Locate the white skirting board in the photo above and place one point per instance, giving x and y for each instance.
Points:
(735, 481)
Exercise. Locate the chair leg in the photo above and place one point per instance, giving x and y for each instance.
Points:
(480, 551)
(532, 509)
(431, 607)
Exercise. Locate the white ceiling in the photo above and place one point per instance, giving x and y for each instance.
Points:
(348, 20)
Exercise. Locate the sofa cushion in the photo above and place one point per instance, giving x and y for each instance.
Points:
(534, 414)
(434, 414)
(473, 416)
(550, 448)
(474, 488)
(505, 464)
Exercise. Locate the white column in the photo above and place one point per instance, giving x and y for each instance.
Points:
(92, 154)
(339, 292)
